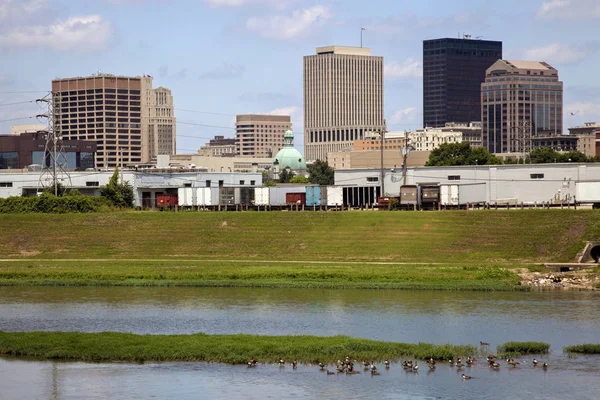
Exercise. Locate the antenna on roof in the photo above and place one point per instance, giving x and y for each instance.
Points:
(466, 36)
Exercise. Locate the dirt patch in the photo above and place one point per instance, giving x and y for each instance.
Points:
(575, 280)
(28, 253)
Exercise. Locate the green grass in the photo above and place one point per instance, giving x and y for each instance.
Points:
(517, 349)
(230, 349)
(452, 250)
(584, 349)
(257, 274)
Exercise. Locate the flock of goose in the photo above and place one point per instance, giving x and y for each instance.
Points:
(347, 365)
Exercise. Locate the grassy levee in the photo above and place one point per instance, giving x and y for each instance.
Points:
(587, 348)
(231, 349)
(406, 250)
(517, 349)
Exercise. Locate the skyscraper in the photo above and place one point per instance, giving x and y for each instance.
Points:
(520, 100)
(260, 135)
(453, 71)
(343, 99)
(130, 122)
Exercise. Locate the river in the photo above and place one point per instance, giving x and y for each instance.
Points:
(559, 318)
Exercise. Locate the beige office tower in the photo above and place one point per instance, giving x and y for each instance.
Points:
(519, 101)
(343, 99)
(161, 122)
(114, 111)
(260, 135)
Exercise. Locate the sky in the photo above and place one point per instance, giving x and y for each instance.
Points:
(226, 57)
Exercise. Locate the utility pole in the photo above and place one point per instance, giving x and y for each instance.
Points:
(405, 151)
(382, 137)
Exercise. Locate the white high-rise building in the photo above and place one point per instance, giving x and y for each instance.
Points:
(343, 99)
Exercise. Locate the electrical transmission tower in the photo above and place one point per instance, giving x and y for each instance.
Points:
(54, 163)
(523, 138)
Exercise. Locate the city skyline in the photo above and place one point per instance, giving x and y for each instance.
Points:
(251, 58)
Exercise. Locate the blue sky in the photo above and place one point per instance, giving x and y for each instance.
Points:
(224, 57)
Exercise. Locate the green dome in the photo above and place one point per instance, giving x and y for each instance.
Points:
(289, 156)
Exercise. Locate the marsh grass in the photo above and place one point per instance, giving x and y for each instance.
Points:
(583, 349)
(517, 349)
(230, 349)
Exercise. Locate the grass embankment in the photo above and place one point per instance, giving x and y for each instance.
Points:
(517, 349)
(421, 250)
(584, 349)
(231, 349)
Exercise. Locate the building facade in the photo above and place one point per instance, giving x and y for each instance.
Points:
(587, 137)
(260, 135)
(162, 127)
(431, 138)
(27, 128)
(453, 71)
(130, 122)
(520, 100)
(219, 146)
(343, 99)
(27, 149)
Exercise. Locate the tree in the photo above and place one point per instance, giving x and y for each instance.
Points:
(60, 189)
(118, 194)
(285, 176)
(299, 179)
(449, 154)
(548, 155)
(320, 173)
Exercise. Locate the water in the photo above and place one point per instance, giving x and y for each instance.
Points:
(559, 318)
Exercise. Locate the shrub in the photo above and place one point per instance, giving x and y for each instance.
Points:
(584, 349)
(516, 349)
(48, 203)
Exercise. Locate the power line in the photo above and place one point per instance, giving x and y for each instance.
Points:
(20, 102)
(26, 91)
(15, 119)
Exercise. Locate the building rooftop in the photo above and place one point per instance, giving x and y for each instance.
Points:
(346, 50)
(529, 65)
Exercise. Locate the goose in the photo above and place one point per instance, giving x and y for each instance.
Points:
(373, 367)
(545, 366)
(294, 364)
(252, 363)
(330, 372)
(387, 363)
(465, 377)
(321, 365)
(365, 364)
(512, 362)
(535, 362)
(373, 372)
(484, 343)
(415, 367)
(281, 362)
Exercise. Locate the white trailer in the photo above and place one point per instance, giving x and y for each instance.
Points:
(587, 192)
(449, 195)
(335, 196)
(472, 193)
(261, 196)
(185, 197)
(203, 197)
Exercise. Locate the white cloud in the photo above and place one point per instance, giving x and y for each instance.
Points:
(556, 52)
(568, 9)
(87, 32)
(244, 3)
(20, 8)
(411, 68)
(290, 110)
(404, 116)
(284, 27)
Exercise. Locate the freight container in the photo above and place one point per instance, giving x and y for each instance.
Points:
(186, 197)
(203, 197)
(214, 196)
(313, 196)
(244, 196)
(277, 194)
(335, 196)
(587, 192)
(409, 195)
(429, 196)
(449, 195)
(166, 200)
(295, 198)
(472, 193)
(261, 196)
(226, 196)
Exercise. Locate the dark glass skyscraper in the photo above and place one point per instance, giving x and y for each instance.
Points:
(453, 71)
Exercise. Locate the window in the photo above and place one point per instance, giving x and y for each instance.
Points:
(242, 182)
(372, 179)
(6, 184)
(208, 183)
(454, 177)
(536, 176)
(252, 183)
(187, 185)
(9, 159)
(92, 183)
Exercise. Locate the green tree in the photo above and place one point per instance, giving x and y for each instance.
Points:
(285, 176)
(299, 179)
(60, 189)
(461, 154)
(118, 194)
(320, 173)
(544, 156)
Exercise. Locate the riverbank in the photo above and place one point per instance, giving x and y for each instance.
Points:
(229, 349)
(453, 250)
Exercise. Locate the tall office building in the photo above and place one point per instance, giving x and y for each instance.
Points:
(260, 135)
(161, 122)
(520, 100)
(343, 99)
(118, 113)
(453, 71)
